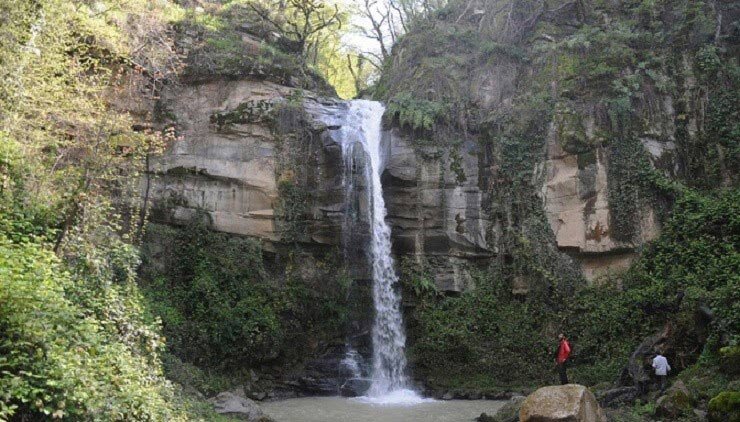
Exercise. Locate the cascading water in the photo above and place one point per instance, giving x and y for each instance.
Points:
(362, 127)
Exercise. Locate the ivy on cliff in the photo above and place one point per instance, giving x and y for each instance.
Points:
(222, 309)
(601, 78)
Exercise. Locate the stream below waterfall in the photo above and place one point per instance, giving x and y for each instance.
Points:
(341, 409)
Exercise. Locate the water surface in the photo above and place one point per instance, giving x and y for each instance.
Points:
(341, 409)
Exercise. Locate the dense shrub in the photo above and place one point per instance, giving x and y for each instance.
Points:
(222, 309)
(491, 331)
(60, 359)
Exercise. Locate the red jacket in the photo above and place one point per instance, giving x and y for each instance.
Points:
(563, 351)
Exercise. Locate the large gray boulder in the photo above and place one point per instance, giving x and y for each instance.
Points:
(236, 405)
(562, 403)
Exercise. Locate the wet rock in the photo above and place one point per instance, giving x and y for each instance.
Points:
(257, 395)
(638, 368)
(234, 404)
(354, 387)
(319, 386)
(700, 414)
(484, 417)
(618, 396)
(571, 403)
(510, 411)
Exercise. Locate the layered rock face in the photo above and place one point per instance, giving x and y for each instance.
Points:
(436, 208)
(575, 193)
(229, 162)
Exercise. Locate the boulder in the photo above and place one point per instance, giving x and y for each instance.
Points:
(508, 413)
(676, 401)
(562, 403)
(235, 405)
(485, 417)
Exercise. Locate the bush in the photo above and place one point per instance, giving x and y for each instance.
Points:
(725, 406)
(214, 307)
(491, 331)
(222, 310)
(58, 359)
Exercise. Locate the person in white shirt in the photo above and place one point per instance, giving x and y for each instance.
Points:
(660, 363)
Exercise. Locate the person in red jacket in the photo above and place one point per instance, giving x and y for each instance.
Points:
(561, 357)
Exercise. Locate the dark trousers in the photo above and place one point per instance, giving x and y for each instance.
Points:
(562, 373)
(662, 382)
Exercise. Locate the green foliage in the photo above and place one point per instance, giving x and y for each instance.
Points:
(491, 331)
(416, 279)
(292, 209)
(65, 356)
(214, 307)
(602, 52)
(726, 406)
(222, 310)
(414, 113)
(629, 187)
(218, 48)
(203, 380)
(219, 51)
(76, 341)
(706, 379)
(484, 331)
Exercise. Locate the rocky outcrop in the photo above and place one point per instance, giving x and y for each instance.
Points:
(236, 405)
(436, 208)
(571, 403)
(576, 191)
(228, 161)
(619, 396)
(231, 156)
(508, 413)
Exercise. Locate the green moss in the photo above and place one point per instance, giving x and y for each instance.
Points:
(252, 111)
(725, 406)
(730, 359)
(571, 132)
(292, 210)
(223, 311)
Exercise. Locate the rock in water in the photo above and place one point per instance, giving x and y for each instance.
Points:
(238, 406)
(562, 403)
(485, 417)
(508, 413)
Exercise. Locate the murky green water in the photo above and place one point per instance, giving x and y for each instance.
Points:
(340, 409)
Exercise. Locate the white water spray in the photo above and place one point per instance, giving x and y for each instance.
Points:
(362, 126)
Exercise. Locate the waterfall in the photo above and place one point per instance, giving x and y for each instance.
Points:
(362, 127)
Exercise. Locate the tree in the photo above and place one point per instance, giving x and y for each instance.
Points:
(384, 21)
(299, 20)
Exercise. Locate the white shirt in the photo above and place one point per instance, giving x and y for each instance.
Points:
(660, 363)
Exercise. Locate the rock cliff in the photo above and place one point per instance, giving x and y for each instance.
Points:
(229, 161)
(230, 158)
